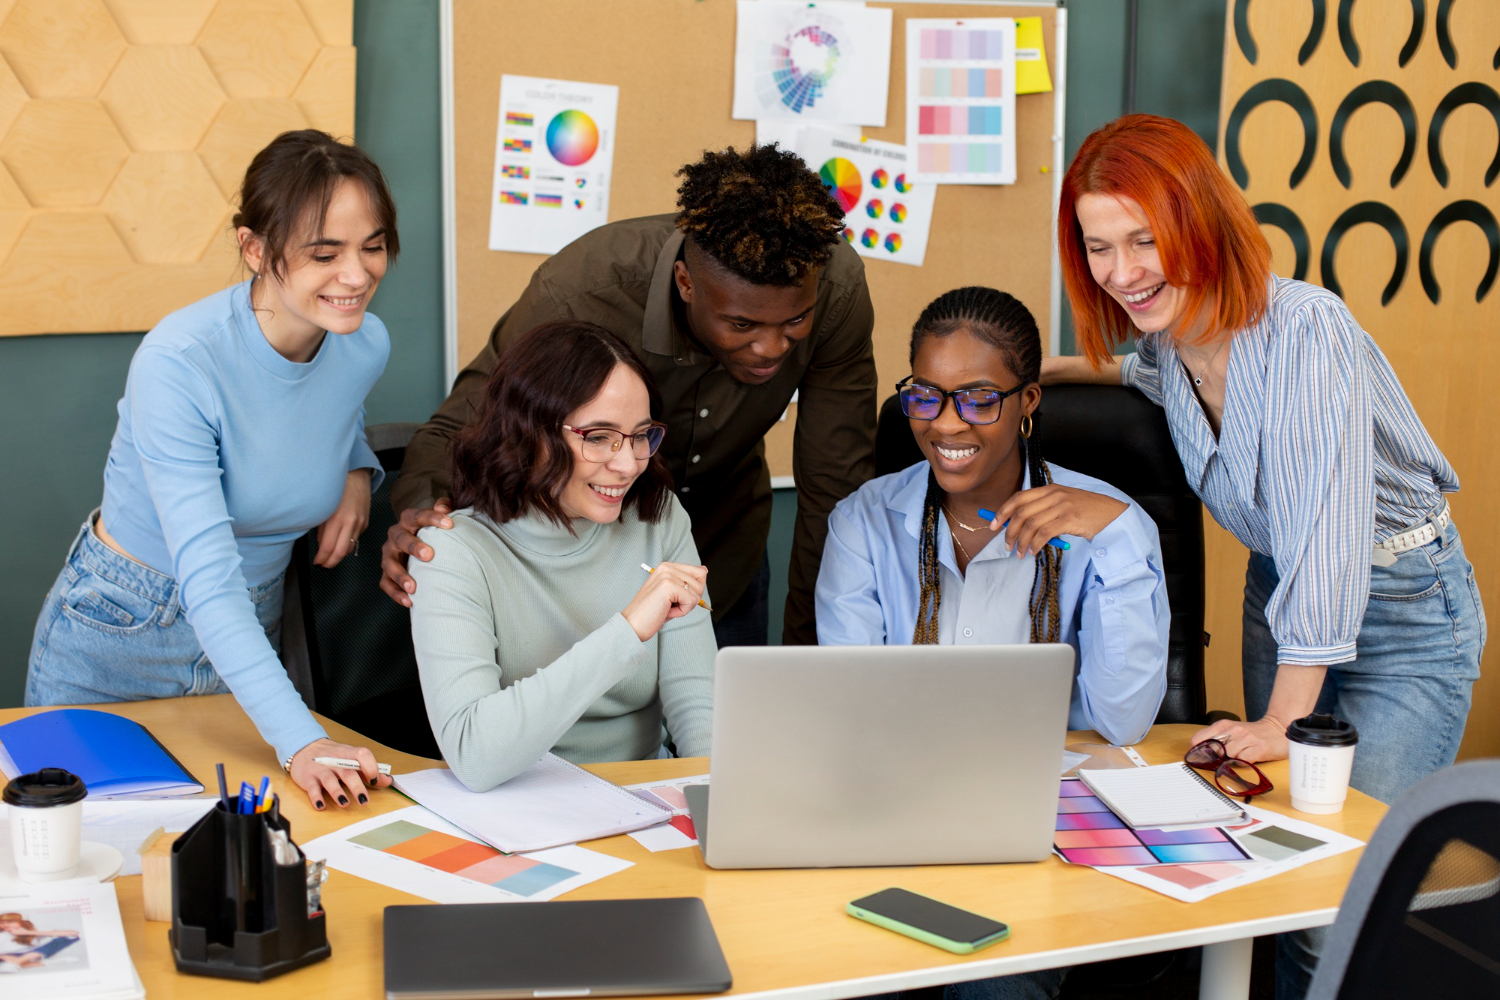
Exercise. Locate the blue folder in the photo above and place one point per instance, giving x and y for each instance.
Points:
(116, 757)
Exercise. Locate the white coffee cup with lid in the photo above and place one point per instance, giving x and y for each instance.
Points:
(46, 823)
(1320, 755)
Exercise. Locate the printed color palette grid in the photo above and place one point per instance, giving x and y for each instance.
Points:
(479, 862)
(1089, 834)
(945, 43)
(959, 157)
(948, 119)
(945, 82)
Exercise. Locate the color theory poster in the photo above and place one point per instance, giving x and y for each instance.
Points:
(811, 62)
(961, 99)
(554, 153)
(887, 212)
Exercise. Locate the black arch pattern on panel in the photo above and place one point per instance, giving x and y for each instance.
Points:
(1287, 93)
(1373, 92)
(1445, 40)
(1314, 33)
(1242, 31)
(1472, 92)
(1269, 213)
(1460, 211)
(1386, 218)
(1413, 39)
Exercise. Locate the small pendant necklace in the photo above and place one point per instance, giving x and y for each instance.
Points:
(1198, 379)
(956, 521)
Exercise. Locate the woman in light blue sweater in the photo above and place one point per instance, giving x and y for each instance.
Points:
(241, 428)
(561, 610)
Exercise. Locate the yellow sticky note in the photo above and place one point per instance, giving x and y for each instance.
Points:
(1031, 57)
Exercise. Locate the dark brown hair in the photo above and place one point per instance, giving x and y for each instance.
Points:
(1003, 322)
(293, 179)
(513, 457)
(760, 214)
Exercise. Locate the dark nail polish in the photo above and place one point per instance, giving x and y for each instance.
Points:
(343, 801)
(363, 798)
(317, 805)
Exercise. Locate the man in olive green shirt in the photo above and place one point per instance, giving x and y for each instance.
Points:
(748, 295)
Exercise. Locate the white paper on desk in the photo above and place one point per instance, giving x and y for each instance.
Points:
(124, 823)
(96, 964)
(363, 849)
(887, 212)
(550, 803)
(811, 61)
(554, 157)
(1278, 843)
(961, 99)
(679, 832)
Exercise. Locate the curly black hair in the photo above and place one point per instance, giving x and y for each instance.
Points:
(761, 214)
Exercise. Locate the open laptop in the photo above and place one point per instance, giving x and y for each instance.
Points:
(827, 756)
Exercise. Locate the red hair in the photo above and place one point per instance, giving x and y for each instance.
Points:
(1211, 247)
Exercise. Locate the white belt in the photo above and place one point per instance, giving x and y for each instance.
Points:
(1385, 553)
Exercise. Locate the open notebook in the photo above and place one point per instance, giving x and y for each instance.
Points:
(1164, 795)
(550, 803)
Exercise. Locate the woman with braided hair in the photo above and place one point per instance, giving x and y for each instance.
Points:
(909, 559)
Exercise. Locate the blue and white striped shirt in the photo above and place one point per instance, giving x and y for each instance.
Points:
(1319, 455)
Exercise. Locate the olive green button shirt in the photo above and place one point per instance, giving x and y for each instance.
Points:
(620, 277)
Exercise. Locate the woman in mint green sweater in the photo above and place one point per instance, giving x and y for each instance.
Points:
(527, 636)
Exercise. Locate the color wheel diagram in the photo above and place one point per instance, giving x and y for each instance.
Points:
(799, 67)
(843, 180)
(479, 862)
(572, 138)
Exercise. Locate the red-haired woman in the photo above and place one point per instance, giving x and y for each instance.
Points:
(536, 625)
(1296, 434)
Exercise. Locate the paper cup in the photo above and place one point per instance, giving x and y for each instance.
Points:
(46, 823)
(1321, 752)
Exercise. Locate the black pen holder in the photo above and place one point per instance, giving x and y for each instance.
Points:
(236, 913)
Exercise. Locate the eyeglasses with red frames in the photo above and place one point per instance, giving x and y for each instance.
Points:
(600, 444)
(1233, 776)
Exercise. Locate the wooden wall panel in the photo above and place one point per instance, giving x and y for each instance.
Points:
(1445, 352)
(125, 129)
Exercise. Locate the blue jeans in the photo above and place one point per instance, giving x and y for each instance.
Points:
(112, 629)
(1407, 690)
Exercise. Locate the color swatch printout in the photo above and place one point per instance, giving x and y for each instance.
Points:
(887, 214)
(678, 832)
(554, 153)
(822, 62)
(961, 99)
(1089, 834)
(415, 851)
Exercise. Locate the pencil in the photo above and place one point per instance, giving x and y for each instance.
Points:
(701, 604)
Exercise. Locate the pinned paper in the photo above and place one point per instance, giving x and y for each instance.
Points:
(887, 212)
(812, 62)
(1032, 76)
(961, 99)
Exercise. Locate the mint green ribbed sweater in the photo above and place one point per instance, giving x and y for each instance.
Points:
(522, 648)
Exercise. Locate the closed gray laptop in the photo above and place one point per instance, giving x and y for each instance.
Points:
(828, 756)
(604, 947)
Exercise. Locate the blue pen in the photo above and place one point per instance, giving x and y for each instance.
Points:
(265, 788)
(247, 799)
(1056, 543)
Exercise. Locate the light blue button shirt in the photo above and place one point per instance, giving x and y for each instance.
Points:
(1111, 591)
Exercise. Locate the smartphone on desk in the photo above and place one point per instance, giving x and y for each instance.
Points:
(928, 920)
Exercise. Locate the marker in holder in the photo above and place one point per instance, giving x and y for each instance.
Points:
(236, 912)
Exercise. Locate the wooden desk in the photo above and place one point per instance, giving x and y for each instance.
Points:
(782, 931)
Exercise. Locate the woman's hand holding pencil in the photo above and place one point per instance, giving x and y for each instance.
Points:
(671, 590)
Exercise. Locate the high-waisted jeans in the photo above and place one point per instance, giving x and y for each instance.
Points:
(112, 629)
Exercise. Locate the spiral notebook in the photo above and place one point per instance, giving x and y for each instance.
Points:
(1164, 795)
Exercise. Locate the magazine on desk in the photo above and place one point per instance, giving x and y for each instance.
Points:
(65, 942)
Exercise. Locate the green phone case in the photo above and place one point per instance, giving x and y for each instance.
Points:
(926, 937)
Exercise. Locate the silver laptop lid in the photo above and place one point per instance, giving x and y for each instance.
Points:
(889, 755)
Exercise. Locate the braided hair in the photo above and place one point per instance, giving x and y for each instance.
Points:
(1004, 323)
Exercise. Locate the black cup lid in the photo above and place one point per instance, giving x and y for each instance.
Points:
(1322, 730)
(51, 786)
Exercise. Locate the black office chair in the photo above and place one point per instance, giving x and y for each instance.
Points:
(1117, 435)
(346, 645)
(1421, 917)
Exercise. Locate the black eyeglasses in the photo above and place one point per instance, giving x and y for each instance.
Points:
(975, 406)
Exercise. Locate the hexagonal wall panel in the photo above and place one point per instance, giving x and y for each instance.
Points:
(326, 92)
(160, 22)
(14, 211)
(12, 96)
(258, 48)
(61, 48)
(333, 20)
(162, 97)
(64, 152)
(243, 129)
(165, 207)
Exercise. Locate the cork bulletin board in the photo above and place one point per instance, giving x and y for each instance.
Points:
(673, 61)
(1367, 138)
(125, 129)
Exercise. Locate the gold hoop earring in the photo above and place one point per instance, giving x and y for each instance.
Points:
(1026, 425)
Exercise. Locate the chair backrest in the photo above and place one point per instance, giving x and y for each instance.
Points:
(349, 644)
(1421, 917)
(1117, 435)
